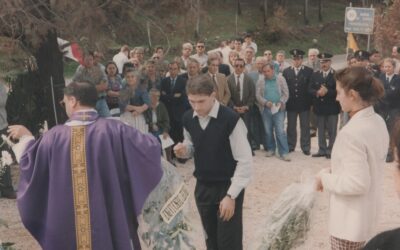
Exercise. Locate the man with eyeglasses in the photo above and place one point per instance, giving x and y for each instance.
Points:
(201, 55)
(242, 90)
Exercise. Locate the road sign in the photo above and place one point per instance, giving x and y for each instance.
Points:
(359, 20)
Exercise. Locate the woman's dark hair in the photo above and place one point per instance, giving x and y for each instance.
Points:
(108, 63)
(85, 93)
(200, 85)
(361, 80)
(126, 67)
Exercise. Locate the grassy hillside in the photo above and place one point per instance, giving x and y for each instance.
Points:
(328, 34)
(218, 23)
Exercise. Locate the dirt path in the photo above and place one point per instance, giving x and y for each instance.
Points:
(271, 176)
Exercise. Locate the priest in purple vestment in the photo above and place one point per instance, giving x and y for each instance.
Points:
(83, 184)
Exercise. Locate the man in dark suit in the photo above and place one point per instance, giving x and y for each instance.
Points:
(326, 108)
(243, 95)
(173, 95)
(298, 79)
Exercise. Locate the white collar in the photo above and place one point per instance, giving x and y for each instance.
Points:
(80, 123)
(299, 68)
(213, 112)
(390, 76)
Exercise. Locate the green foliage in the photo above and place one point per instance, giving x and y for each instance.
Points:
(70, 68)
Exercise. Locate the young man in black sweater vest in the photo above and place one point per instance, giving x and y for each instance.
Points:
(217, 138)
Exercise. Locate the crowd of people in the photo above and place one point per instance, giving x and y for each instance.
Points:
(218, 107)
(264, 92)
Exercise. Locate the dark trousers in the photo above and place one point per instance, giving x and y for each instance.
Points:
(220, 235)
(329, 123)
(247, 121)
(176, 133)
(391, 118)
(313, 120)
(257, 131)
(305, 140)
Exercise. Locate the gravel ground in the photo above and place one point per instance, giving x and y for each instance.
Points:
(271, 176)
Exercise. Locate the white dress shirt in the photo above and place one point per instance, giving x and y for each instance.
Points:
(201, 59)
(241, 150)
(389, 77)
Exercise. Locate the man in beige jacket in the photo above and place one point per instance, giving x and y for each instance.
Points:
(220, 82)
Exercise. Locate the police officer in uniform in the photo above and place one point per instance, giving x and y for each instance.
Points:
(298, 79)
(326, 108)
(362, 57)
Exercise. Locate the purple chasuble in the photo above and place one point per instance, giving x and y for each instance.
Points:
(123, 166)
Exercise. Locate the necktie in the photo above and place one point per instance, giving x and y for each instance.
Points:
(238, 86)
(172, 82)
(296, 71)
(325, 74)
(215, 82)
(387, 79)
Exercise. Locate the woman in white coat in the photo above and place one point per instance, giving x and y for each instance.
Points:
(354, 179)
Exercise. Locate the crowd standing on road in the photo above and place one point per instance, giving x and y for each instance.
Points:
(191, 98)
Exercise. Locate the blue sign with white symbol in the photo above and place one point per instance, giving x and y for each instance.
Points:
(359, 20)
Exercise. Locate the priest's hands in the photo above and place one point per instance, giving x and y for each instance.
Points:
(226, 208)
(318, 181)
(318, 184)
(180, 150)
(17, 131)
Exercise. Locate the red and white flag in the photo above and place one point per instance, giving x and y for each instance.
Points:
(70, 50)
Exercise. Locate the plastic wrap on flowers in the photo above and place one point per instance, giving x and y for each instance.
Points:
(289, 218)
(164, 223)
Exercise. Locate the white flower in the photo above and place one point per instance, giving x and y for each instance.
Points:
(7, 140)
(6, 158)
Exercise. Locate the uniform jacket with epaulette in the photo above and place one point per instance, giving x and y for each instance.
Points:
(299, 96)
(325, 105)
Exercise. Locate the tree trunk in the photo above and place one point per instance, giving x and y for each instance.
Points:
(320, 10)
(197, 31)
(265, 12)
(306, 21)
(50, 66)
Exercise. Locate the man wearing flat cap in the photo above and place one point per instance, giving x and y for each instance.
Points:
(326, 108)
(298, 79)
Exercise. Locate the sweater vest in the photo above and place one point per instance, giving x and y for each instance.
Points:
(213, 157)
